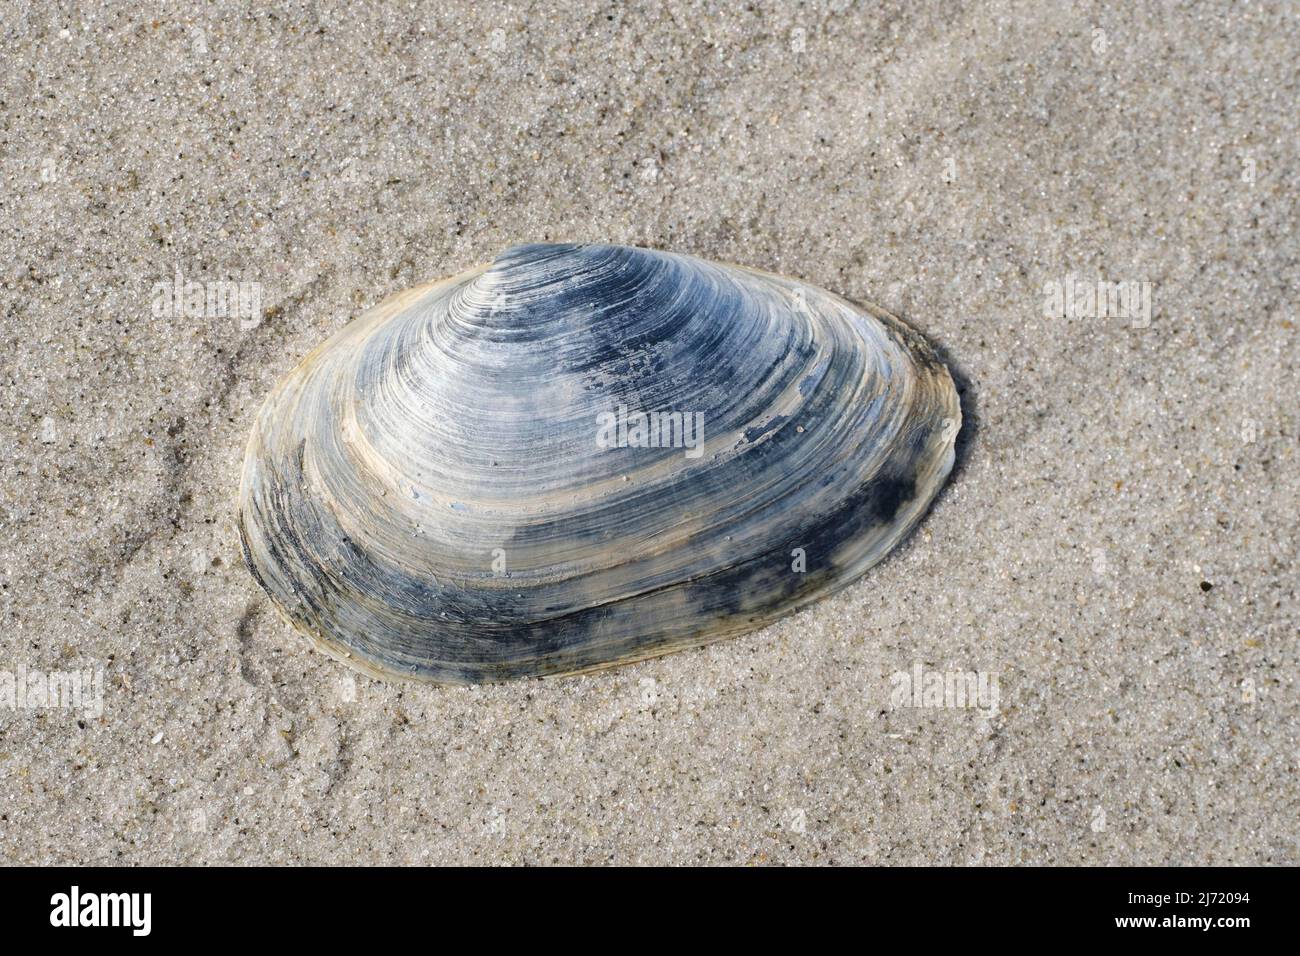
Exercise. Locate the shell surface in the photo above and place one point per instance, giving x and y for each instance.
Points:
(482, 478)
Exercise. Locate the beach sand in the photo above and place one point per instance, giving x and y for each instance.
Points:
(1114, 556)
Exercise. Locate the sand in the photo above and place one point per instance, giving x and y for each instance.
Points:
(1114, 558)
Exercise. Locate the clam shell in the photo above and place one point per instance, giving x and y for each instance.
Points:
(456, 487)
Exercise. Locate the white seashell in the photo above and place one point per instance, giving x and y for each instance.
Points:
(456, 487)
